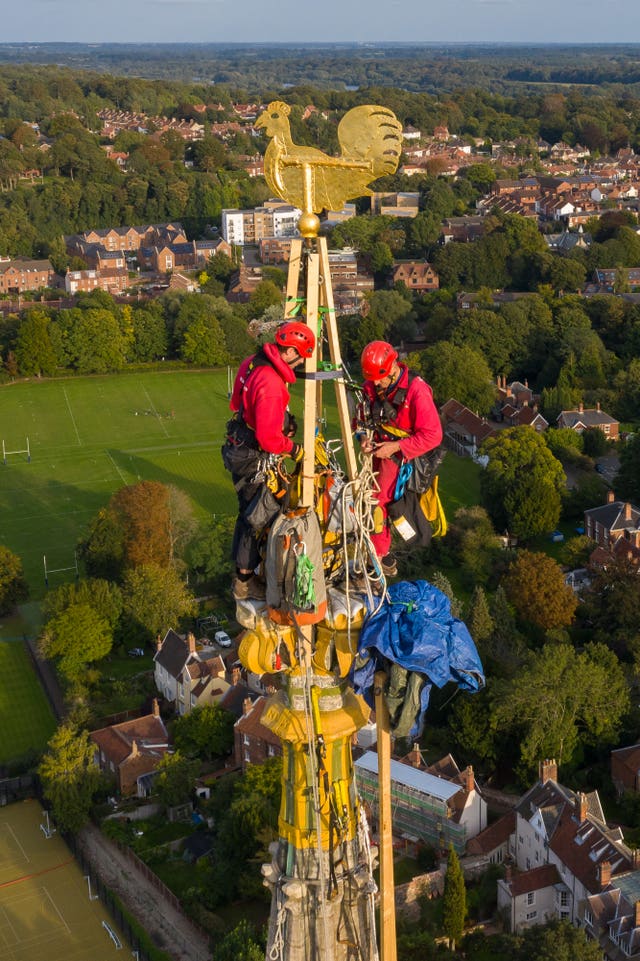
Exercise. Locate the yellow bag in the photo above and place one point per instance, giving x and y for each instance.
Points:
(433, 510)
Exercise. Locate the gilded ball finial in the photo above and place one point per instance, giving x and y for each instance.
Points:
(309, 225)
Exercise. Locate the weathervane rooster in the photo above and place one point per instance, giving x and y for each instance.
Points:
(370, 139)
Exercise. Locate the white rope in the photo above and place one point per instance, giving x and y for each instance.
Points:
(277, 949)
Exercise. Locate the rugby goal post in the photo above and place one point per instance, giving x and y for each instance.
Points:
(5, 453)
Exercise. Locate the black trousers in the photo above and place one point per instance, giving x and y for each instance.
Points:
(244, 548)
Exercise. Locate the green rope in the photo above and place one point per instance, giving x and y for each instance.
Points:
(304, 595)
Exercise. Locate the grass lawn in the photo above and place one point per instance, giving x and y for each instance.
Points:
(459, 483)
(26, 719)
(91, 435)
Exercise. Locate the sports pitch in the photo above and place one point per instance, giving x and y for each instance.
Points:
(45, 911)
(88, 437)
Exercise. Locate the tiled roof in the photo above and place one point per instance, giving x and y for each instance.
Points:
(584, 846)
(588, 418)
(173, 655)
(251, 723)
(493, 836)
(116, 741)
(534, 880)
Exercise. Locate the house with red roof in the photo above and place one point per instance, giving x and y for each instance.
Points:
(464, 431)
(130, 752)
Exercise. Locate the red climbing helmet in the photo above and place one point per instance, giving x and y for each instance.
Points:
(294, 333)
(378, 359)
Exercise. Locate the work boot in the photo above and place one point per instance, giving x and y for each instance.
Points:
(389, 565)
(253, 588)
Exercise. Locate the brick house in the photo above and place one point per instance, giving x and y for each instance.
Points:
(491, 846)
(84, 281)
(625, 769)
(253, 742)
(22, 274)
(583, 419)
(464, 431)
(131, 751)
(612, 916)
(613, 520)
(416, 275)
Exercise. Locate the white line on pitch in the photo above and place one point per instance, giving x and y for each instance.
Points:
(73, 420)
(122, 477)
(24, 853)
(56, 908)
(166, 432)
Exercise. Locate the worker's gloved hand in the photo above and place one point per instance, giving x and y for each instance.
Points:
(292, 426)
(296, 453)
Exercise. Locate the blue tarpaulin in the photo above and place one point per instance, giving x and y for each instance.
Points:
(416, 640)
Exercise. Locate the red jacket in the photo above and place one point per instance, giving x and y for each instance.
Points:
(417, 414)
(263, 394)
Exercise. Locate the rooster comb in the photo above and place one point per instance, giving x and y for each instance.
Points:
(280, 107)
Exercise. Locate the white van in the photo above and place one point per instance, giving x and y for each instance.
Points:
(222, 639)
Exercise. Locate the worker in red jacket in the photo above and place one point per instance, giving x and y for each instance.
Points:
(261, 424)
(398, 423)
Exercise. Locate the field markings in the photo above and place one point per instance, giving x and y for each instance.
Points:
(56, 909)
(157, 415)
(73, 420)
(24, 853)
(122, 477)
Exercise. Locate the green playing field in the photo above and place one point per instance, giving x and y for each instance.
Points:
(89, 436)
(45, 911)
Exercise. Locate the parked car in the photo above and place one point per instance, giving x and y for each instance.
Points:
(222, 639)
(136, 652)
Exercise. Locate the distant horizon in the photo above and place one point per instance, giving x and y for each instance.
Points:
(568, 44)
(578, 22)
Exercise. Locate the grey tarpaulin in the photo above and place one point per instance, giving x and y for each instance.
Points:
(416, 640)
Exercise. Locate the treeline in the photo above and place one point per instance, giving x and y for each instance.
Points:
(419, 67)
(100, 336)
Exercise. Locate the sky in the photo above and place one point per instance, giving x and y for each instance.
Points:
(218, 21)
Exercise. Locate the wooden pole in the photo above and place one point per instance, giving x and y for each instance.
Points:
(388, 949)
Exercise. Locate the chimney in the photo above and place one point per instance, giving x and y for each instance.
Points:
(158, 643)
(414, 757)
(610, 497)
(635, 537)
(635, 859)
(627, 511)
(598, 406)
(581, 807)
(156, 707)
(636, 914)
(581, 408)
(469, 780)
(548, 770)
(134, 749)
(235, 676)
(604, 873)
(191, 641)
(247, 704)
(508, 872)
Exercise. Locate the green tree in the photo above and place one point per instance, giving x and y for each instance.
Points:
(175, 779)
(479, 620)
(458, 372)
(77, 637)
(13, 586)
(454, 902)
(69, 776)
(205, 732)
(266, 294)
(557, 941)
(536, 587)
(477, 546)
(562, 698)
(155, 598)
(35, 352)
(595, 442)
(522, 484)
(103, 596)
(209, 553)
(240, 944)
(627, 482)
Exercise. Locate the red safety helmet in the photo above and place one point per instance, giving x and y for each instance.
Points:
(294, 333)
(378, 359)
